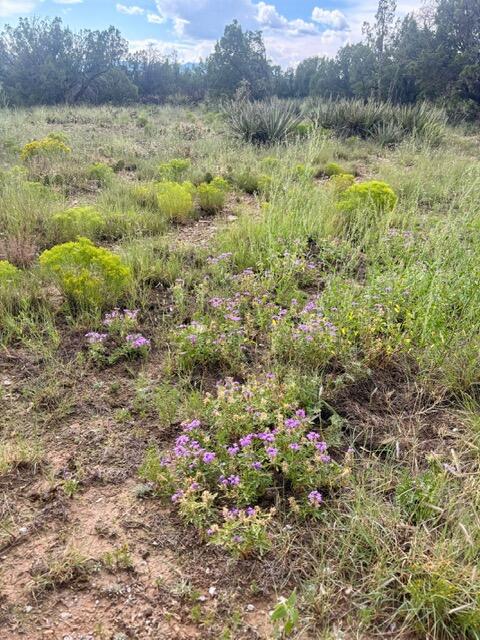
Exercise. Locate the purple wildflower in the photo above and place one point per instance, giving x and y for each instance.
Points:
(95, 338)
(272, 452)
(315, 498)
(137, 341)
(208, 457)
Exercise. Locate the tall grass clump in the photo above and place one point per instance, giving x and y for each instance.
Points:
(386, 123)
(262, 122)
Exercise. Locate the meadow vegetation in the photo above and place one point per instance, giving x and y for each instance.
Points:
(297, 389)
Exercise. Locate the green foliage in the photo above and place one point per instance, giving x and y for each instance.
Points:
(101, 173)
(341, 182)
(173, 170)
(247, 181)
(333, 169)
(175, 200)
(77, 221)
(8, 273)
(375, 196)
(285, 615)
(381, 121)
(90, 277)
(262, 122)
(420, 497)
(212, 196)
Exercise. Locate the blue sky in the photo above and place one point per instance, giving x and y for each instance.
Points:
(293, 29)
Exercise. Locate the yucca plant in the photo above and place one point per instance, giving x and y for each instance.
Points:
(262, 122)
(386, 123)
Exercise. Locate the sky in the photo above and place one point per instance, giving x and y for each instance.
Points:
(292, 29)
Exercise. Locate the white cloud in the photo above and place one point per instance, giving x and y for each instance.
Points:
(206, 19)
(130, 10)
(269, 17)
(186, 51)
(15, 7)
(68, 1)
(155, 18)
(334, 19)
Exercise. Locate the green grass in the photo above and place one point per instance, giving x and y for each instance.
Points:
(366, 317)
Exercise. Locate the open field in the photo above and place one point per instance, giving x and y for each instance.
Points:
(252, 377)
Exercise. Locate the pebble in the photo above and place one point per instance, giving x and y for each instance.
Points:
(250, 607)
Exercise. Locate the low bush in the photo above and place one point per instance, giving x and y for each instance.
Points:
(225, 475)
(100, 173)
(90, 277)
(175, 200)
(77, 221)
(384, 122)
(120, 341)
(262, 122)
(378, 197)
(49, 147)
(212, 196)
(173, 170)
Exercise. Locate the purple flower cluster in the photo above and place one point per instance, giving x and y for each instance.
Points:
(137, 341)
(120, 315)
(93, 337)
(315, 498)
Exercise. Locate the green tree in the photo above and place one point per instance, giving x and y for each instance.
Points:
(239, 59)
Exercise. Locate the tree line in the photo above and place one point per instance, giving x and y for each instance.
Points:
(433, 54)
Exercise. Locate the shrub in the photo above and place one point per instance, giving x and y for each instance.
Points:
(120, 341)
(173, 170)
(247, 181)
(212, 196)
(90, 277)
(8, 273)
(145, 195)
(262, 122)
(9, 285)
(341, 182)
(333, 169)
(175, 200)
(48, 147)
(384, 122)
(374, 195)
(77, 221)
(101, 173)
(223, 474)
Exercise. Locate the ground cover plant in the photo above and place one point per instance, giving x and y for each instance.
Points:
(239, 373)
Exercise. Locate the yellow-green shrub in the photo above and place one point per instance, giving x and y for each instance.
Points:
(77, 221)
(51, 146)
(174, 169)
(146, 195)
(212, 196)
(175, 200)
(374, 195)
(10, 277)
(89, 276)
(333, 169)
(101, 173)
(341, 182)
(8, 273)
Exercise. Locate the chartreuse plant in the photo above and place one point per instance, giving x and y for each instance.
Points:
(10, 280)
(90, 277)
(175, 201)
(77, 221)
(375, 196)
(173, 170)
(212, 195)
(222, 473)
(100, 173)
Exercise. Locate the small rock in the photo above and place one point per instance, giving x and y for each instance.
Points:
(212, 591)
(250, 607)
